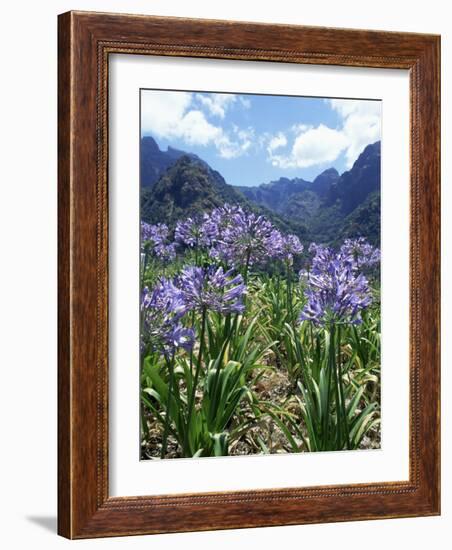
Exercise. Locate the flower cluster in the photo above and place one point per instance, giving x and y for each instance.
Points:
(335, 288)
(362, 253)
(194, 289)
(335, 292)
(155, 240)
(193, 233)
(284, 247)
(230, 234)
(248, 239)
(241, 237)
(212, 288)
(162, 311)
(219, 222)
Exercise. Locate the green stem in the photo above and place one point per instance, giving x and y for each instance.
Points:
(289, 293)
(328, 387)
(195, 381)
(298, 348)
(341, 390)
(191, 350)
(196, 253)
(170, 364)
(339, 441)
(247, 265)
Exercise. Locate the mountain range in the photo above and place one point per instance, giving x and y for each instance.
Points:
(154, 162)
(176, 184)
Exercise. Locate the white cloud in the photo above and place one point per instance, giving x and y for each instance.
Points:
(276, 142)
(228, 149)
(361, 122)
(347, 107)
(245, 102)
(298, 128)
(244, 139)
(314, 146)
(317, 146)
(217, 104)
(173, 115)
(161, 112)
(196, 130)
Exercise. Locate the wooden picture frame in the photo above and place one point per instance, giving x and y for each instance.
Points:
(85, 42)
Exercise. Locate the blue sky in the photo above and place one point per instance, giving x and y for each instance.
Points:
(253, 139)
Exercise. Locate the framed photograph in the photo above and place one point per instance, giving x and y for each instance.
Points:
(248, 275)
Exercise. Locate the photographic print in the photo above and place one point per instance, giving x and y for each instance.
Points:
(259, 274)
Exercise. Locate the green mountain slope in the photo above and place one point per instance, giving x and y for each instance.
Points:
(155, 162)
(190, 187)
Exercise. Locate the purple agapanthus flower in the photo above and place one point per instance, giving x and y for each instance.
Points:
(155, 241)
(146, 232)
(212, 288)
(162, 310)
(284, 247)
(154, 234)
(192, 232)
(165, 252)
(238, 236)
(217, 224)
(335, 292)
(314, 248)
(362, 252)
